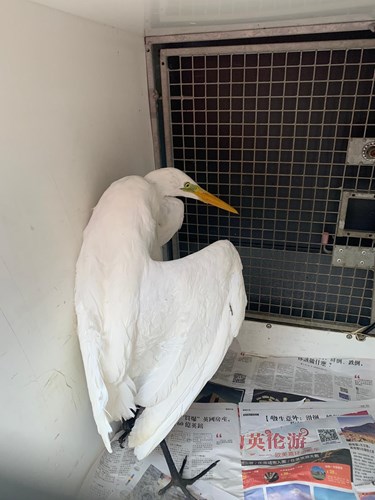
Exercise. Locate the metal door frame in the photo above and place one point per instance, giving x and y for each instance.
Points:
(158, 49)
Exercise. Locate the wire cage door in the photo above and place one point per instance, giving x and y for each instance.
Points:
(268, 128)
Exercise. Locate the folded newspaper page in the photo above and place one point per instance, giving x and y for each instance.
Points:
(254, 416)
(206, 433)
(313, 378)
(317, 459)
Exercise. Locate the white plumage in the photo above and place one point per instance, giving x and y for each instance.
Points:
(152, 333)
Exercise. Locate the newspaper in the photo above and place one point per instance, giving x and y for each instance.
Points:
(269, 415)
(305, 402)
(206, 433)
(148, 479)
(317, 378)
(266, 463)
(345, 385)
(317, 459)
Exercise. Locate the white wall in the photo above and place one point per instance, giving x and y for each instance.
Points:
(124, 14)
(73, 118)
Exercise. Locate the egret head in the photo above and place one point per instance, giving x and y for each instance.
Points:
(174, 182)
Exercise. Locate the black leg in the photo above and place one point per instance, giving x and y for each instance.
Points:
(176, 477)
(127, 426)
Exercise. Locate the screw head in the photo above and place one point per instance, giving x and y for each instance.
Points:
(349, 336)
(338, 260)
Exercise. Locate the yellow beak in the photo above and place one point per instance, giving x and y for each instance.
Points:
(206, 197)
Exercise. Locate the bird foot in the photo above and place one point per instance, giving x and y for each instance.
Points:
(127, 426)
(177, 480)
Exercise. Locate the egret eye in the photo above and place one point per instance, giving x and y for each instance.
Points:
(187, 185)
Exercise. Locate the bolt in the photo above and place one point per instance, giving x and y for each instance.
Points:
(268, 325)
(363, 252)
(362, 262)
(349, 336)
(338, 260)
(341, 250)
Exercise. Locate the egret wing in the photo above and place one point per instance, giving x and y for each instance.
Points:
(192, 308)
(108, 283)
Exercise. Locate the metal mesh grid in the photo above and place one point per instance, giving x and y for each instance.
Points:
(268, 132)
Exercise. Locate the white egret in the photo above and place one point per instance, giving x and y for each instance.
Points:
(152, 333)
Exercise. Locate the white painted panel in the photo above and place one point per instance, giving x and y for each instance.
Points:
(197, 16)
(74, 117)
(269, 339)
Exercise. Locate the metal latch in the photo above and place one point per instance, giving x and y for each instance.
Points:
(363, 258)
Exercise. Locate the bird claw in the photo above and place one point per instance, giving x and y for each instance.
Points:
(127, 426)
(177, 480)
(179, 484)
(182, 483)
(183, 465)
